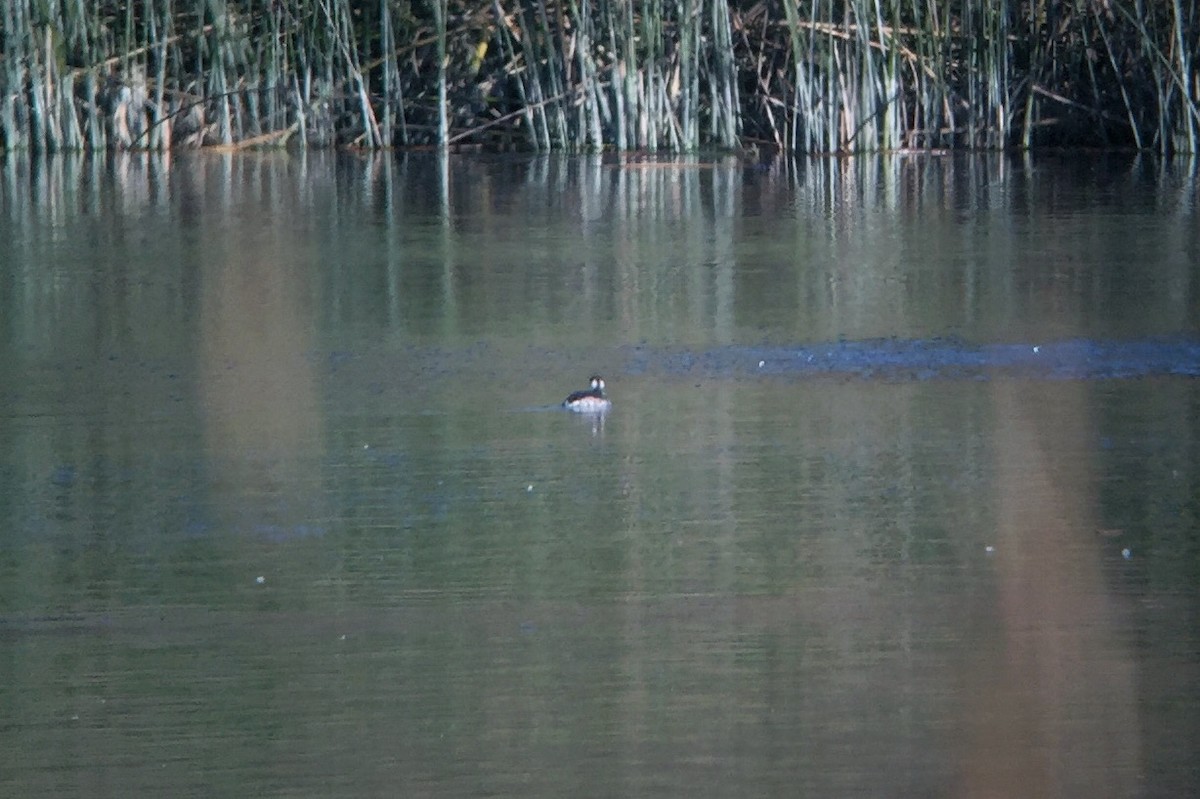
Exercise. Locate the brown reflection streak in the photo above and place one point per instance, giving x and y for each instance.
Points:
(1052, 710)
(257, 386)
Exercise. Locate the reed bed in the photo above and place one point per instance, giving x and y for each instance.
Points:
(587, 75)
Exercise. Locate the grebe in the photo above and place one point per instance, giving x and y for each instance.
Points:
(591, 401)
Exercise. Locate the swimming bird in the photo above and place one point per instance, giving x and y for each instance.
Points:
(592, 400)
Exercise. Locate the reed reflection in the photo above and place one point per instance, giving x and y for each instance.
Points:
(257, 382)
(1053, 710)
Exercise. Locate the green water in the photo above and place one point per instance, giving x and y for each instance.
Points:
(286, 508)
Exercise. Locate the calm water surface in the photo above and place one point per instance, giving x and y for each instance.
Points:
(899, 495)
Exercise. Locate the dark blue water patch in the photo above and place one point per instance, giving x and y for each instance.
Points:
(339, 358)
(379, 456)
(195, 526)
(280, 533)
(933, 359)
(63, 475)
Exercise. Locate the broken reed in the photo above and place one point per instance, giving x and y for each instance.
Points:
(817, 76)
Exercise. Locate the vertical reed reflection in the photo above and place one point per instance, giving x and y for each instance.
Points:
(257, 387)
(1054, 712)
